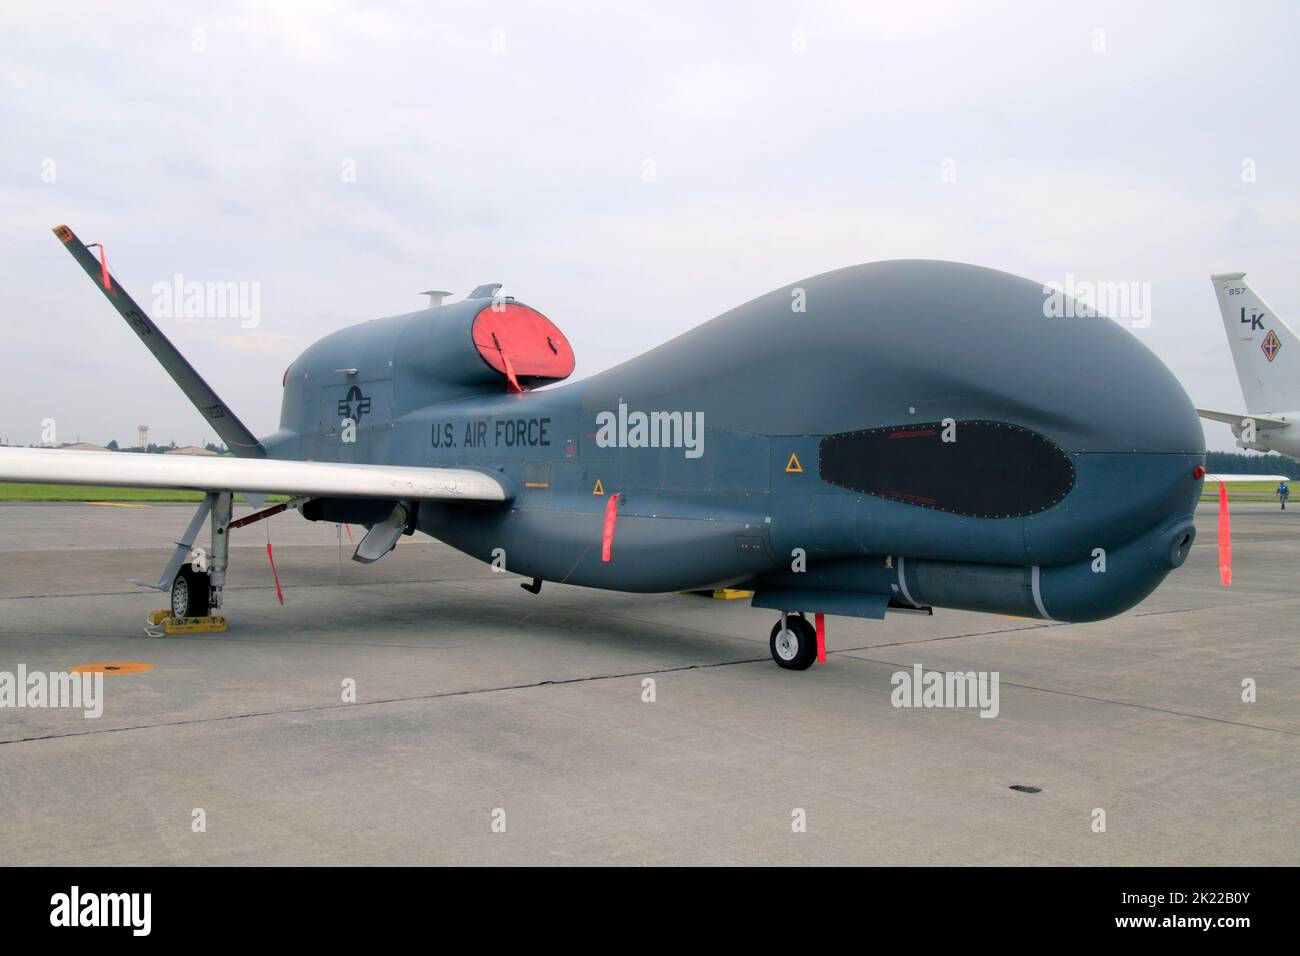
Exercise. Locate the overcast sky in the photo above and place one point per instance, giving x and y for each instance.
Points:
(344, 157)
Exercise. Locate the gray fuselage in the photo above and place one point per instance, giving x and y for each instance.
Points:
(913, 429)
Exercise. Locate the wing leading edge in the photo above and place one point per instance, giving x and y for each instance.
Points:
(1228, 479)
(265, 475)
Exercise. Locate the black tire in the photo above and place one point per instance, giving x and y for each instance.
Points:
(190, 593)
(800, 650)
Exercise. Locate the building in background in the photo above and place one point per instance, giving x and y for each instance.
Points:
(82, 446)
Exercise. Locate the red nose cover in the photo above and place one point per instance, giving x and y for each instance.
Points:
(523, 341)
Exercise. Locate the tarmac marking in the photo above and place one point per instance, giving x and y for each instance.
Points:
(113, 667)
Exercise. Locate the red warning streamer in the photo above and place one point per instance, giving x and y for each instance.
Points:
(270, 556)
(820, 620)
(1225, 537)
(512, 383)
(611, 517)
(103, 265)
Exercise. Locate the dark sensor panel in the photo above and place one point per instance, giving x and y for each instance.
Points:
(988, 470)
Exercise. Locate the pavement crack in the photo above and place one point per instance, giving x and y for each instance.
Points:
(385, 700)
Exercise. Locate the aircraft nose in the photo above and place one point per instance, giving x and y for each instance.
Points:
(1085, 386)
(1138, 452)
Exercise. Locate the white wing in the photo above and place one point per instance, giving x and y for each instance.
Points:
(256, 475)
(1263, 423)
(1232, 478)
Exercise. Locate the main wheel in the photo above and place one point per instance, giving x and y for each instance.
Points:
(190, 593)
(795, 648)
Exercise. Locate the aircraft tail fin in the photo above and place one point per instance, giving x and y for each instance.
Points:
(1264, 349)
(224, 422)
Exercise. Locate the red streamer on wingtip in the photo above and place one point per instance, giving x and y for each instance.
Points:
(274, 574)
(347, 527)
(1225, 537)
(820, 619)
(103, 266)
(611, 518)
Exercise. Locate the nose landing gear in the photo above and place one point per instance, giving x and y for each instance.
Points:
(793, 642)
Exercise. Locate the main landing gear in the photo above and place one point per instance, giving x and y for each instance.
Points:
(793, 642)
(193, 578)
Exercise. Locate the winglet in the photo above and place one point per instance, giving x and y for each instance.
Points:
(232, 431)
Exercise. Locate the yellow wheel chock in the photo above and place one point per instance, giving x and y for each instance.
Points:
(211, 624)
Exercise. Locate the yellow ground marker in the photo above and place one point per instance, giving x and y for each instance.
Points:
(721, 594)
(116, 504)
(113, 667)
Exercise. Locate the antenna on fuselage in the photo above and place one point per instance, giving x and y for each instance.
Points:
(435, 297)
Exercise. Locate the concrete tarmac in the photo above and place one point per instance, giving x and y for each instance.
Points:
(479, 702)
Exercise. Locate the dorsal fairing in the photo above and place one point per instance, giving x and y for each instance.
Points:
(435, 355)
(472, 348)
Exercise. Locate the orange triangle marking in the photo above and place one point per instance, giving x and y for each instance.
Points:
(599, 489)
(792, 466)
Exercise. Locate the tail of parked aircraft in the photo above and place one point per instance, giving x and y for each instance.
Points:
(1264, 349)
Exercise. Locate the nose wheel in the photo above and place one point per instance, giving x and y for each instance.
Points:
(793, 643)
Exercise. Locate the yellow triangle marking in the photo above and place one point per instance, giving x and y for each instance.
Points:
(792, 466)
(599, 489)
